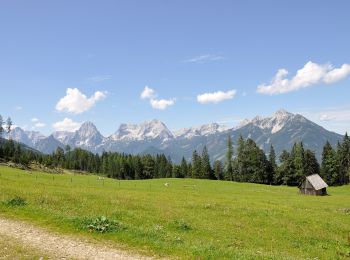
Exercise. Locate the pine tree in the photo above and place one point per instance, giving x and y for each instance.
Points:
(329, 169)
(17, 153)
(177, 171)
(311, 164)
(148, 167)
(344, 160)
(298, 156)
(240, 161)
(206, 172)
(196, 165)
(218, 170)
(169, 167)
(272, 165)
(229, 157)
(184, 168)
(285, 171)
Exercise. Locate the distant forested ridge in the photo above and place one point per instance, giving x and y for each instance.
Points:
(247, 163)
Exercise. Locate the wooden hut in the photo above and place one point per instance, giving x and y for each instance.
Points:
(313, 185)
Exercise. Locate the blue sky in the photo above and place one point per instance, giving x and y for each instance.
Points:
(110, 51)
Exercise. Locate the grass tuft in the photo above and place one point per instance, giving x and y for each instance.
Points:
(16, 202)
(182, 225)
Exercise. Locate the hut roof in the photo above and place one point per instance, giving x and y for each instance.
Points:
(316, 181)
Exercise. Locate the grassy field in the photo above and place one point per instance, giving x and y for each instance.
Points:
(189, 218)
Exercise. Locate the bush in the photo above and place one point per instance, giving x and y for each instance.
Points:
(16, 201)
(102, 225)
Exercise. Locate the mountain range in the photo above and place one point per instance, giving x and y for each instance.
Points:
(282, 130)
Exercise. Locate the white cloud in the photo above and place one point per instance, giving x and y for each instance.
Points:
(216, 97)
(147, 93)
(100, 78)
(337, 74)
(204, 58)
(40, 125)
(66, 124)
(37, 123)
(311, 74)
(76, 102)
(17, 108)
(161, 104)
(335, 119)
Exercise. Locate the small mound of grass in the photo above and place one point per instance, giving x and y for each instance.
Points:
(182, 225)
(16, 202)
(102, 225)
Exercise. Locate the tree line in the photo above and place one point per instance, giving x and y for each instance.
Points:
(246, 163)
(249, 163)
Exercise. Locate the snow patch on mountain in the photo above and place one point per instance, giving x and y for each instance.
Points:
(147, 130)
(203, 130)
(63, 136)
(35, 136)
(273, 124)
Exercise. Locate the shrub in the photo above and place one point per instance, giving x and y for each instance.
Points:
(16, 201)
(102, 225)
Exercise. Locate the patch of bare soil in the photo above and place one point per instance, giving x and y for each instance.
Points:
(60, 246)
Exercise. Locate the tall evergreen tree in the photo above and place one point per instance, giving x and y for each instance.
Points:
(344, 160)
(298, 157)
(206, 172)
(241, 159)
(329, 169)
(311, 164)
(196, 165)
(272, 165)
(229, 158)
(184, 168)
(285, 170)
(148, 168)
(218, 170)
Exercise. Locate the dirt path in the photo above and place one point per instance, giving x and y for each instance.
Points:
(59, 246)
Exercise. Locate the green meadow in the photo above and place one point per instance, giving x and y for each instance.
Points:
(189, 218)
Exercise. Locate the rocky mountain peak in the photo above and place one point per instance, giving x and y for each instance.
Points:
(274, 123)
(153, 129)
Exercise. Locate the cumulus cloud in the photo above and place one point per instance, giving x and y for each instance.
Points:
(37, 123)
(337, 74)
(311, 74)
(66, 124)
(204, 58)
(161, 104)
(147, 93)
(40, 125)
(216, 97)
(76, 102)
